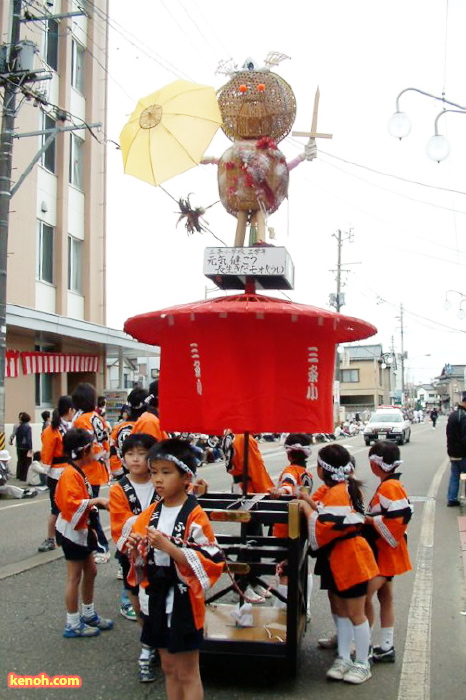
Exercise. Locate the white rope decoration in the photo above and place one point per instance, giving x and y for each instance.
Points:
(383, 465)
(297, 447)
(336, 473)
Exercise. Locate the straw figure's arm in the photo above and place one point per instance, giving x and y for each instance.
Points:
(310, 153)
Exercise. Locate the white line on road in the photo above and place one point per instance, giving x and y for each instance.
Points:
(415, 672)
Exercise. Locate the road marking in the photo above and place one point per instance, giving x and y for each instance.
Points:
(415, 672)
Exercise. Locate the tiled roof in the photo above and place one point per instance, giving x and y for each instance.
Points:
(363, 352)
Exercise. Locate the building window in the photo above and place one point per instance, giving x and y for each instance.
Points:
(76, 161)
(77, 66)
(75, 252)
(51, 43)
(45, 252)
(48, 156)
(350, 376)
(44, 389)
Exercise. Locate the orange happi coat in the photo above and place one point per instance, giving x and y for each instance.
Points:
(293, 477)
(351, 559)
(259, 479)
(204, 562)
(51, 454)
(391, 511)
(117, 438)
(124, 510)
(96, 472)
(149, 423)
(72, 498)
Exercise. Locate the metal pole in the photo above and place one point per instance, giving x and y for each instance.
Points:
(6, 156)
(402, 357)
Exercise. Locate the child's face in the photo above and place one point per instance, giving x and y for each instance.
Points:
(167, 478)
(136, 461)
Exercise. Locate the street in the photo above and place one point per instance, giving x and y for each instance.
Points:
(430, 628)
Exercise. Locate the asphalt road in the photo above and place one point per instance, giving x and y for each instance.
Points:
(430, 628)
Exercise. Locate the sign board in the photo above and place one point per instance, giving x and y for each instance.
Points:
(270, 266)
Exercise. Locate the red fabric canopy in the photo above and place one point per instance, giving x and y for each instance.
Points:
(246, 362)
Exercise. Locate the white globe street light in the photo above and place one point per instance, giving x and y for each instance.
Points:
(438, 148)
(399, 125)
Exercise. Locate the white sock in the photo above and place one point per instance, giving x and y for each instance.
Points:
(310, 583)
(344, 636)
(145, 654)
(87, 610)
(362, 640)
(73, 619)
(386, 635)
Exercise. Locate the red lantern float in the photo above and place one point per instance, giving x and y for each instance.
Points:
(246, 362)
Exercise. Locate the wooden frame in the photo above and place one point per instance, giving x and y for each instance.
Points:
(276, 634)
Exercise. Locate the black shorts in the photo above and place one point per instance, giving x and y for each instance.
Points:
(125, 567)
(52, 484)
(73, 551)
(163, 637)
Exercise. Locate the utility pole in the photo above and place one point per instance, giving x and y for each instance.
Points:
(403, 355)
(337, 301)
(6, 156)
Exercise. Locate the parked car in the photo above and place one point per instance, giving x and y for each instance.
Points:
(388, 424)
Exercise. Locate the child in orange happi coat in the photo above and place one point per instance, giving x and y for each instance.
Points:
(182, 560)
(387, 519)
(75, 526)
(346, 560)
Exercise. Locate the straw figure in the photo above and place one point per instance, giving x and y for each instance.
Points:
(258, 109)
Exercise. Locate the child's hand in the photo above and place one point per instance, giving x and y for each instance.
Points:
(304, 496)
(158, 539)
(275, 492)
(133, 540)
(305, 508)
(368, 520)
(200, 487)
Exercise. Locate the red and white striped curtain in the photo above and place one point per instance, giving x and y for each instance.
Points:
(39, 362)
(11, 363)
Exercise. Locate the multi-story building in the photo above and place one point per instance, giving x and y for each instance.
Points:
(56, 293)
(367, 378)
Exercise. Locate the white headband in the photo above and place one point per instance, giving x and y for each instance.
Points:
(178, 462)
(383, 465)
(297, 447)
(336, 473)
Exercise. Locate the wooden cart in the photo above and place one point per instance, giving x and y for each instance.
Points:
(276, 633)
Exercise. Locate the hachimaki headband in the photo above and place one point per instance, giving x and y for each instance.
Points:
(383, 465)
(297, 447)
(77, 451)
(178, 462)
(336, 473)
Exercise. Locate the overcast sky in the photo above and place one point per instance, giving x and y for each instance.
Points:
(408, 214)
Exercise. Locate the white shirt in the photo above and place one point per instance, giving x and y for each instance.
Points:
(166, 524)
(144, 492)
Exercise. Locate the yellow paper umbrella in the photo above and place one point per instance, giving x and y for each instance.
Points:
(169, 131)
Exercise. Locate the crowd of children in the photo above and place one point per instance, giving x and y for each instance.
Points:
(153, 511)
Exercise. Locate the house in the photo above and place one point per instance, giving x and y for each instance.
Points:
(368, 378)
(426, 396)
(450, 384)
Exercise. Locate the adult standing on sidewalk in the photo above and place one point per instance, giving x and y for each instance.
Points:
(456, 448)
(23, 447)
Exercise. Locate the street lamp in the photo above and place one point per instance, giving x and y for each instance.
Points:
(447, 303)
(399, 125)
